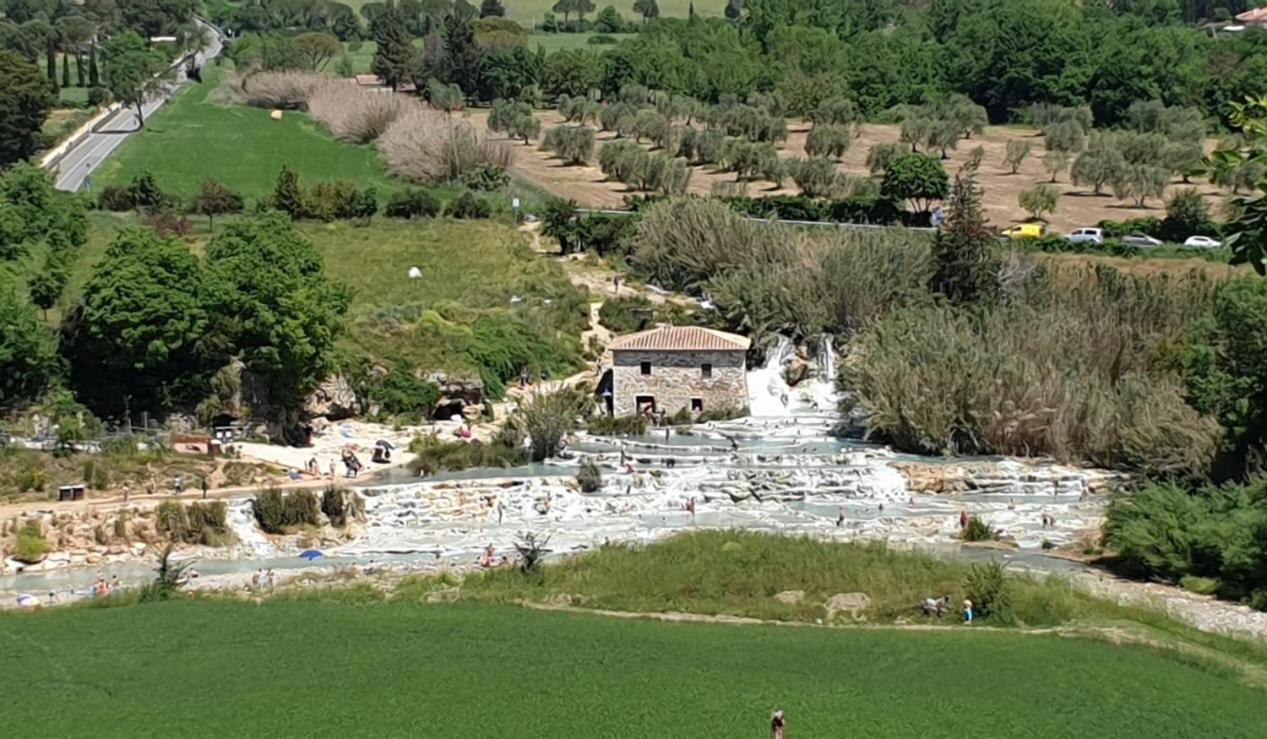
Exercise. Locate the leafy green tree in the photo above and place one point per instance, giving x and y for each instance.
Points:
(879, 156)
(493, 8)
(1010, 54)
(648, 9)
(48, 282)
(28, 349)
(917, 179)
(1055, 161)
(134, 338)
(564, 7)
(214, 199)
(966, 268)
(573, 72)
(25, 99)
(1099, 165)
(315, 50)
(1039, 200)
(1187, 214)
(609, 20)
(272, 306)
(133, 71)
(32, 212)
(1014, 154)
(828, 140)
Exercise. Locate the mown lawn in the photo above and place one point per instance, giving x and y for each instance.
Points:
(469, 269)
(193, 137)
(317, 669)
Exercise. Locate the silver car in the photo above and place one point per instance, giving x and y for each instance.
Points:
(1143, 241)
(1085, 236)
(1202, 242)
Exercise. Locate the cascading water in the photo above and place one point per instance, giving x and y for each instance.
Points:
(767, 386)
(251, 542)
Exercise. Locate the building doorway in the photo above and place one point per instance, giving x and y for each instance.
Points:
(645, 404)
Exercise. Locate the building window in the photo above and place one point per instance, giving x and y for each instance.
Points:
(645, 367)
(706, 370)
(697, 405)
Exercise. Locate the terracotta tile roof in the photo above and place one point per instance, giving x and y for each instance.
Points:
(682, 339)
(1257, 15)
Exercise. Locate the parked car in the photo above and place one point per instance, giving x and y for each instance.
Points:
(1202, 242)
(1143, 241)
(1025, 231)
(1085, 236)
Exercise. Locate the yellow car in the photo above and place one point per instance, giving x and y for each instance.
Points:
(1025, 231)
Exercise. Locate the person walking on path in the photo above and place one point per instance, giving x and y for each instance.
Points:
(202, 482)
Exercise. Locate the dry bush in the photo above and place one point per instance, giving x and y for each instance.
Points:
(280, 89)
(427, 146)
(1079, 373)
(355, 114)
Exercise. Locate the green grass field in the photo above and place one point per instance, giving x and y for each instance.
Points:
(192, 138)
(316, 669)
(468, 268)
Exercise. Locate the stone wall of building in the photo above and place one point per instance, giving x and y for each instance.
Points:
(676, 378)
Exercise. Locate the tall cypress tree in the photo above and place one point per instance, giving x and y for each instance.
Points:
(65, 70)
(963, 252)
(50, 61)
(394, 58)
(464, 55)
(94, 78)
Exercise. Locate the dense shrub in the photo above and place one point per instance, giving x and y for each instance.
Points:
(424, 145)
(353, 113)
(281, 89)
(1165, 531)
(589, 477)
(977, 530)
(604, 425)
(277, 512)
(990, 592)
(31, 545)
(435, 455)
(485, 178)
(629, 313)
(400, 392)
(197, 523)
(116, 198)
(1026, 380)
(412, 203)
(341, 506)
(468, 206)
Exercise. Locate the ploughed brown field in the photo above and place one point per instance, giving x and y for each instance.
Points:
(1078, 206)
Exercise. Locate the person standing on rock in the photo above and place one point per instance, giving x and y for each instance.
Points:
(202, 482)
(963, 519)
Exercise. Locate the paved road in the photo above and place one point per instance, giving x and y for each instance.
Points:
(80, 162)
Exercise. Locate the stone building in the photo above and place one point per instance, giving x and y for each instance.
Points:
(674, 367)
